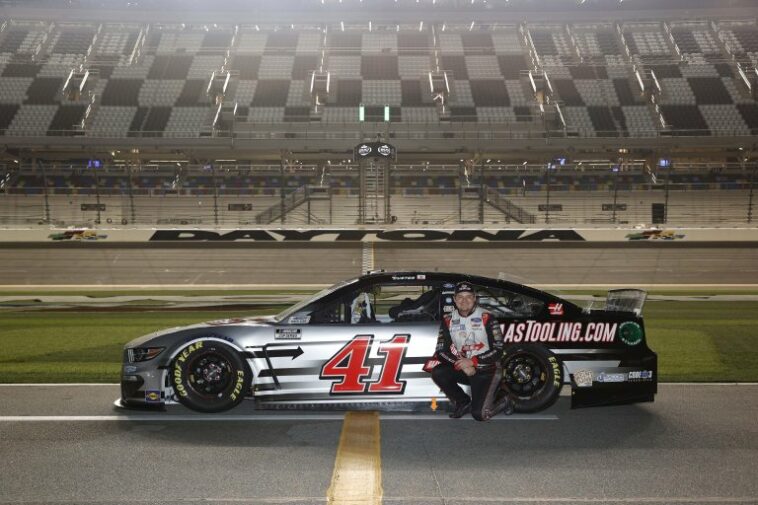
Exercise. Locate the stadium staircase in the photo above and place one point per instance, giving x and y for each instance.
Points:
(295, 199)
(510, 209)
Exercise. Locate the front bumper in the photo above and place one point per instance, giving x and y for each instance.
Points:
(143, 386)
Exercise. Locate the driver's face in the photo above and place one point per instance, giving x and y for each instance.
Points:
(465, 301)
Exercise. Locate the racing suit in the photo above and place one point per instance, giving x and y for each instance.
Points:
(479, 338)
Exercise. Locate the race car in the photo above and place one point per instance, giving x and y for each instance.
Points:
(369, 342)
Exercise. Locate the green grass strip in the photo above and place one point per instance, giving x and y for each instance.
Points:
(695, 341)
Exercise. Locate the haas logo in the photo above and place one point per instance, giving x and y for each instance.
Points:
(556, 309)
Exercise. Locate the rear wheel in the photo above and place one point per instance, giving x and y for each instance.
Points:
(532, 377)
(209, 376)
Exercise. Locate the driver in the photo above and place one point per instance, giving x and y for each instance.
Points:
(470, 349)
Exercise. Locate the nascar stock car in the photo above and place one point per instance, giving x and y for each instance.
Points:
(369, 342)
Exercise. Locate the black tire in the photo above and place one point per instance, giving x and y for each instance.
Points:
(209, 376)
(532, 377)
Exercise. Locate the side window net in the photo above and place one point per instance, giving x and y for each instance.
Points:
(505, 304)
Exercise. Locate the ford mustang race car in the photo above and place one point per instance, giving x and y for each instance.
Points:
(369, 343)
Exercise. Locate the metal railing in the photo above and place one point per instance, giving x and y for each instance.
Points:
(510, 209)
(682, 204)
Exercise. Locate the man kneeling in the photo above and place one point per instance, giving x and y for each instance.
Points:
(470, 349)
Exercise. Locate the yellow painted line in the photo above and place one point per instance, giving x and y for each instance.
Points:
(357, 477)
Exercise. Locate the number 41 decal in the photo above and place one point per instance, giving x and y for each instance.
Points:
(351, 365)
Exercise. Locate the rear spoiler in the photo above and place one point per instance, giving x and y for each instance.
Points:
(625, 300)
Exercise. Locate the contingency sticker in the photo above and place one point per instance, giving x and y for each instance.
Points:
(152, 396)
(288, 334)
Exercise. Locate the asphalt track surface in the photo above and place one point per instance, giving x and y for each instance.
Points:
(696, 444)
(304, 263)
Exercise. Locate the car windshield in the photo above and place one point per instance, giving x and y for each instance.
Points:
(300, 305)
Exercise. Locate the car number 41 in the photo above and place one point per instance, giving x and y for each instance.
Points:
(352, 366)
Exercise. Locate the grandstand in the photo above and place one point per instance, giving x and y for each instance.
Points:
(249, 119)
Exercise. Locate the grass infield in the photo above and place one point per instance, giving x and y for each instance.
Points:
(695, 341)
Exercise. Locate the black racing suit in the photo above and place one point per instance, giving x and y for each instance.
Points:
(479, 338)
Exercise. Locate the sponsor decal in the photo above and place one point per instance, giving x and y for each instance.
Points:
(565, 331)
(448, 285)
(610, 377)
(288, 334)
(403, 277)
(630, 333)
(583, 378)
(130, 369)
(447, 308)
(300, 319)
(472, 349)
(431, 363)
(78, 235)
(421, 235)
(476, 319)
(385, 150)
(655, 235)
(556, 309)
(152, 396)
(421, 277)
(641, 375)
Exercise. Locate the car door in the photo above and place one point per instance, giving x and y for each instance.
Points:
(394, 345)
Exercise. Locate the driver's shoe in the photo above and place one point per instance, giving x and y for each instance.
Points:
(504, 405)
(461, 409)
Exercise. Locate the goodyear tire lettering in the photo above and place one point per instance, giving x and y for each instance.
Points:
(195, 390)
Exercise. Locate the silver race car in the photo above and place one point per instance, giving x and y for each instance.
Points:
(369, 343)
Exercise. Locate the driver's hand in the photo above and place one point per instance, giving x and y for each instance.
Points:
(463, 363)
(469, 370)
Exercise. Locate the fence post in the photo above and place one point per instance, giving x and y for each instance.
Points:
(750, 195)
(44, 189)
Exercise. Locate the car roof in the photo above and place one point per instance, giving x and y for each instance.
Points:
(388, 276)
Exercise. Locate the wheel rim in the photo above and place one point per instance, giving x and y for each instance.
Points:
(524, 375)
(209, 374)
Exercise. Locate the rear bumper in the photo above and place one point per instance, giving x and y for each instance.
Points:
(635, 380)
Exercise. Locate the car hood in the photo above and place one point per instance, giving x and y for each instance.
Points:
(247, 322)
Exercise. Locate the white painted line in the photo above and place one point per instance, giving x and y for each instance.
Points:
(115, 384)
(57, 385)
(708, 383)
(197, 287)
(161, 418)
(552, 499)
(146, 287)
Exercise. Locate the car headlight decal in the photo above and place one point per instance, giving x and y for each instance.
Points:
(139, 354)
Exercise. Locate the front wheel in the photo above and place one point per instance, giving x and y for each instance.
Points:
(532, 377)
(209, 376)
